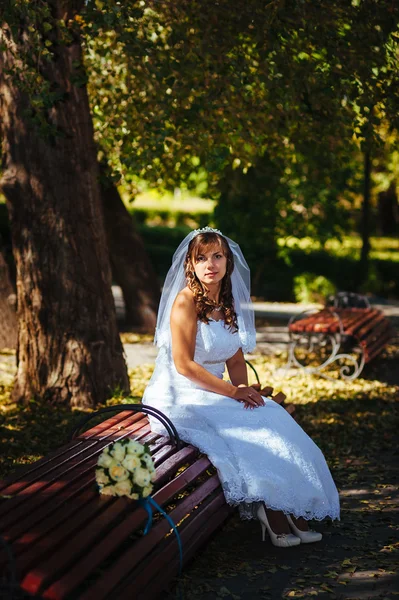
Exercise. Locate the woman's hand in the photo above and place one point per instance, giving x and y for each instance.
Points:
(266, 391)
(249, 396)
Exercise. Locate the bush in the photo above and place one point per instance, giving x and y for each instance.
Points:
(309, 287)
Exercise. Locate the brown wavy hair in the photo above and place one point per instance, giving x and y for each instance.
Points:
(204, 305)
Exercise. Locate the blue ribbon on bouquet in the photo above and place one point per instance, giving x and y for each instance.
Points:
(148, 504)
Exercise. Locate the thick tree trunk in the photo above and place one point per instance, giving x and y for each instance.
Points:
(8, 319)
(69, 349)
(131, 267)
(364, 256)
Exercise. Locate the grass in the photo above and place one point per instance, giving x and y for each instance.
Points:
(382, 248)
(28, 432)
(151, 200)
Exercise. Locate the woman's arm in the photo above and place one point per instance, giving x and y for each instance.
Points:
(183, 324)
(237, 369)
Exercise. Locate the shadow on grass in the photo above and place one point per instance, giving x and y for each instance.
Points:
(27, 433)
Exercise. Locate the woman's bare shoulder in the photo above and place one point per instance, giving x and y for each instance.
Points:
(184, 302)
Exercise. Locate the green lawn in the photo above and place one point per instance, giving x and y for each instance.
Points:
(382, 248)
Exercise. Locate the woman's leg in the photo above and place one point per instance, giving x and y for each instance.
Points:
(300, 523)
(277, 521)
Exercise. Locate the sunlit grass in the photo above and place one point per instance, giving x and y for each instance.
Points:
(184, 202)
(382, 248)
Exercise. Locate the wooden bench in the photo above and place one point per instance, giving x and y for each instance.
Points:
(344, 333)
(70, 543)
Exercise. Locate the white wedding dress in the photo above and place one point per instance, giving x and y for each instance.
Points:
(260, 454)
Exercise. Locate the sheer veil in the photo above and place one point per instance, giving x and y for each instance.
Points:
(240, 279)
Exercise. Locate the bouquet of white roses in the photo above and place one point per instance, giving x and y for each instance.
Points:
(125, 468)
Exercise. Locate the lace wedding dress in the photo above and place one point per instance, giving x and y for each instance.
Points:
(260, 454)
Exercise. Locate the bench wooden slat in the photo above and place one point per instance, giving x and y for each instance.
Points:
(51, 484)
(353, 327)
(153, 578)
(46, 510)
(351, 318)
(370, 326)
(366, 324)
(94, 432)
(325, 321)
(48, 516)
(40, 537)
(55, 523)
(118, 535)
(378, 346)
(380, 328)
(94, 522)
(125, 563)
(61, 502)
(112, 434)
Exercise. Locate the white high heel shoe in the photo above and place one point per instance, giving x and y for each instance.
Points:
(283, 540)
(306, 537)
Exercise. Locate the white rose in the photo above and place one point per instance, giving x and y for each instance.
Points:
(101, 477)
(105, 460)
(153, 476)
(147, 491)
(142, 477)
(135, 448)
(108, 490)
(131, 462)
(147, 458)
(118, 473)
(123, 488)
(134, 496)
(118, 451)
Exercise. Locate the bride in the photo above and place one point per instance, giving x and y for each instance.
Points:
(266, 463)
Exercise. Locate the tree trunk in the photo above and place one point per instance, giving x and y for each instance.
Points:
(69, 349)
(247, 212)
(388, 211)
(365, 227)
(8, 319)
(131, 267)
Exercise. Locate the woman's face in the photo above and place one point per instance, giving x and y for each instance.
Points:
(210, 265)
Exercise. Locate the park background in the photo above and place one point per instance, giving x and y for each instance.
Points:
(126, 125)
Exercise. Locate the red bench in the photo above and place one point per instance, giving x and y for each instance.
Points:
(68, 542)
(338, 333)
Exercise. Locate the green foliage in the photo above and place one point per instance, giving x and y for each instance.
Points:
(337, 261)
(31, 36)
(169, 217)
(185, 95)
(309, 287)
(269, 111)
(223, 85)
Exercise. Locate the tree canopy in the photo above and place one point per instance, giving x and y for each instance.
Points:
(176, 88)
